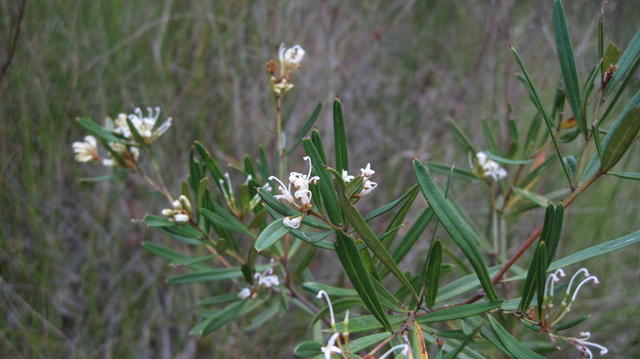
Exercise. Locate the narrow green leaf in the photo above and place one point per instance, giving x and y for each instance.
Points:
(468, 338)
(508, 161)
(332, 291)
(533, 197)
(209, 275)
(533, 94)
(620, 138)
(512, 345)
(349, 256)
(571, 323)
(461, 137)
(172, 255)
(458, 312)
(227, 221)
(365, 323)
(98, 131)
(367, 341)
(219, 299)
(456, 226)
(595, 163)
(418, 344)
(597, 250)
(340, 137)
(457, 173)
(274, 231)
(567, 62)
(317, 141)
(370, 238)
(218, 319)
(306, 128)
(432, 274)
(626, 175)
(412, 235)
(308, 349)
(391, 205)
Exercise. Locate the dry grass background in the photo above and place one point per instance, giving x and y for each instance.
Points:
(74, 282)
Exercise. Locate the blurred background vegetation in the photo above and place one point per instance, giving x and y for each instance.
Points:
(74, 281)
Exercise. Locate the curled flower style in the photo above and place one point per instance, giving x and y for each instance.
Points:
(87, 150)
(181, 211)
(549, 287)
(403, 347)
(490, 168)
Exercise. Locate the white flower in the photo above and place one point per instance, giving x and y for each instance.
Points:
(489, 167)
(367, 171)
(582, 345)
(108, 162)
(403, 347)
(331, 347)
(181, 211)
(180, 218)
(346, 177)
(267, 281)
(290, 56)
(86, 150)
(245, 293)
(292, 222)
(368, 187)
(144, 125)
(300, 183)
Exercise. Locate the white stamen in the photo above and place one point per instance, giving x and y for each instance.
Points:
(575, 275)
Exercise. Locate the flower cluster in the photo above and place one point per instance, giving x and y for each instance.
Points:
(296, 193)
(87, 150)
(181, 211)
(490, 168)
(126, 153)
(265, 279)
(569, 297)
(366, 173)
(144, 125)
(289, 61)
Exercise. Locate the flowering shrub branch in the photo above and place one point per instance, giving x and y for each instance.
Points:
(262, 233)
